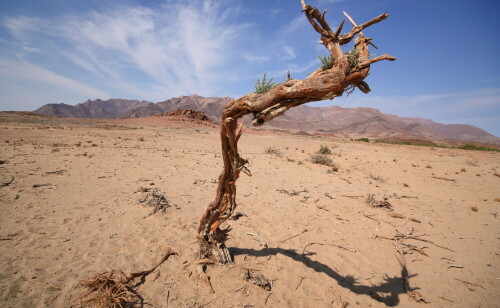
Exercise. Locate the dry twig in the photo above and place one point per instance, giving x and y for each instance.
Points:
(47, 285)
(468, 284)
(291, 193)
(445, 179)
(205, 277)
(258, 238)
(257, 279)
(397, 215)
(289, 238)
(300, 282)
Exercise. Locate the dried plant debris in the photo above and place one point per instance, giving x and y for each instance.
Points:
(56, 172)
(377, 178)
(371, 201)
(157, 200)
(115, 288)
(237, 216)
(416, 296)
(257, 279)
(106, 290)
(273, 151)
(397, 215)
(291, 193)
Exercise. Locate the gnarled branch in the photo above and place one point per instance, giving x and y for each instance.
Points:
(345, 73)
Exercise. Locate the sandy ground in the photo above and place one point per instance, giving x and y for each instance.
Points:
(71, 209)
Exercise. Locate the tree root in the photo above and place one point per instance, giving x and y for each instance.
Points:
(215, 252)
(114, 289)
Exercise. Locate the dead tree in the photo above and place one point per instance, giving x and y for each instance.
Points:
(345, 72)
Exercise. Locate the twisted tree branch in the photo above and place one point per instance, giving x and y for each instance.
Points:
(321, 85)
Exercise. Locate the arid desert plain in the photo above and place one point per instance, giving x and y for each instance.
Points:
(395, 225)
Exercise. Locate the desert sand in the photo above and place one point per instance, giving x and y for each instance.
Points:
(69, 201)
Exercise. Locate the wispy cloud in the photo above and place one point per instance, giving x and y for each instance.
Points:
(293, 26)
(23, 71)
(289, 52)
(254, 58)
(177, 49)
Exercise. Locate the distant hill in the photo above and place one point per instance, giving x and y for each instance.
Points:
(99, 109)
(347, 122)
(211, 106)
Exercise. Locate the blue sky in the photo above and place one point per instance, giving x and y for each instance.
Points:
(70, 51)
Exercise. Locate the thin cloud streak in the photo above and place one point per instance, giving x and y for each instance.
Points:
(28, 72)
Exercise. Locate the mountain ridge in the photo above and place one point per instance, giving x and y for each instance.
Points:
(346, 122)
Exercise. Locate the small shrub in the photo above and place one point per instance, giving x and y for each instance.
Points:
(476, 148)
(273, 151)
(321, 160)
(262, 86)
(326, 62)
(363, 139)
(325, 150)
(474, 208)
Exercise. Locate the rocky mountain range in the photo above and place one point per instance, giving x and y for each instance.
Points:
(335, 120)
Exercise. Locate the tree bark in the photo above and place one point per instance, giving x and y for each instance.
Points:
(348, 71)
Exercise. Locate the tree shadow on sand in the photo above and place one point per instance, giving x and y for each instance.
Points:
(393, 286)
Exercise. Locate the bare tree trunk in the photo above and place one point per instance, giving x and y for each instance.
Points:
(347, 72)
